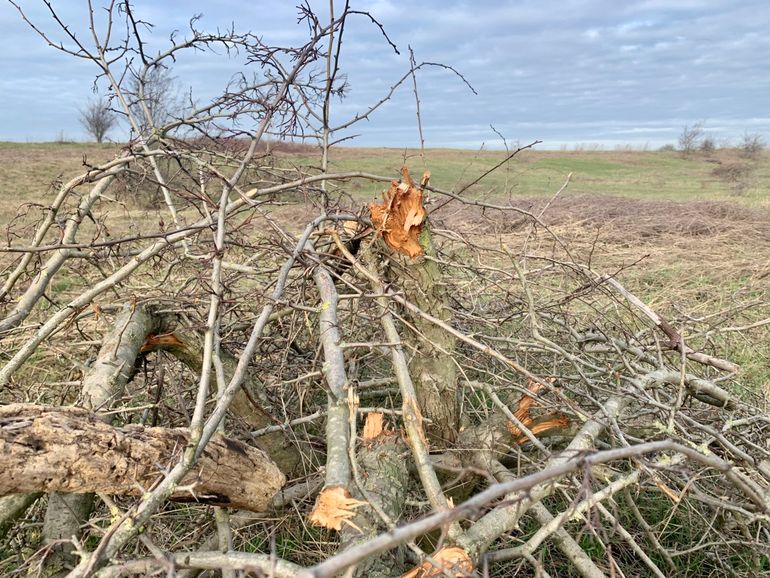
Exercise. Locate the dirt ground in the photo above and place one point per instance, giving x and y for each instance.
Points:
(635, 217)
(694, 234)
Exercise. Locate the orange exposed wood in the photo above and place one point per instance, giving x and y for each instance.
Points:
(158, 341)
(450, 561)
(543, 425)
(335, 507)
(400, 218)
(536, 426)
(374, 425)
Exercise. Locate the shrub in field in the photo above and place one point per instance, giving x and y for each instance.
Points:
(752, 145)
(690, 138)
(98, 119)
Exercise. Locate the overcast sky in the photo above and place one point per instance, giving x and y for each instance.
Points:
(564, 72)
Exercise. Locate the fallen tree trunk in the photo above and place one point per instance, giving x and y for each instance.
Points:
(44, 448)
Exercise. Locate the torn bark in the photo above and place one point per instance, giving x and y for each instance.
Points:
(47, 449)
(541, 425)
(520, 485)
(478, 446)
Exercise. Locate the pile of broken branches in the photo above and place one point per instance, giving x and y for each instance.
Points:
(371, 394)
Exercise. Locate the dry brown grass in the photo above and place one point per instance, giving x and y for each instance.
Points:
(696, 255)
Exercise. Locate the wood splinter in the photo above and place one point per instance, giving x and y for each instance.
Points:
(401, 216)
(449, 561)
(548, 423)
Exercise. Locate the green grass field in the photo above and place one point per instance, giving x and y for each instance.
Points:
(690, 235)
(644, 175)
(27, 171)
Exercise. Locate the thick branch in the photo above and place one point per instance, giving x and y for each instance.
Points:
(675, 339)
(382, 481)
(250, 405)
(337, 429)
(44, 448)
(383, 542)
(104, 382)
(503, 519)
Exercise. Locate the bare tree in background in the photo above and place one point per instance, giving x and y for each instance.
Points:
(752, 144)
(512, 397)
(153, 96)
(690, 138)
(97, 118)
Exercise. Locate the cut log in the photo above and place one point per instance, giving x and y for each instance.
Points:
(44, 448)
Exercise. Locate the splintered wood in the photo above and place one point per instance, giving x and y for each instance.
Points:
(400, 218)
(164, 340)
(452, 561)
(536, 426)
(374, 426)
(335, 507)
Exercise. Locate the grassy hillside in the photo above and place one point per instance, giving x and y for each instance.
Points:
(690, 235)
(29, 169)
(646, 175)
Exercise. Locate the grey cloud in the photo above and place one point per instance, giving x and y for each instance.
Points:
(571, 71)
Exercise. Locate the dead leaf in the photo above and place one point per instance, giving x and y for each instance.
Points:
(452, 559)
(335, 507)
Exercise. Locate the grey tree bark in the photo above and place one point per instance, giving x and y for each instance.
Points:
(72, 450)
(104, 382)
(433, 369)
(384, 481)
